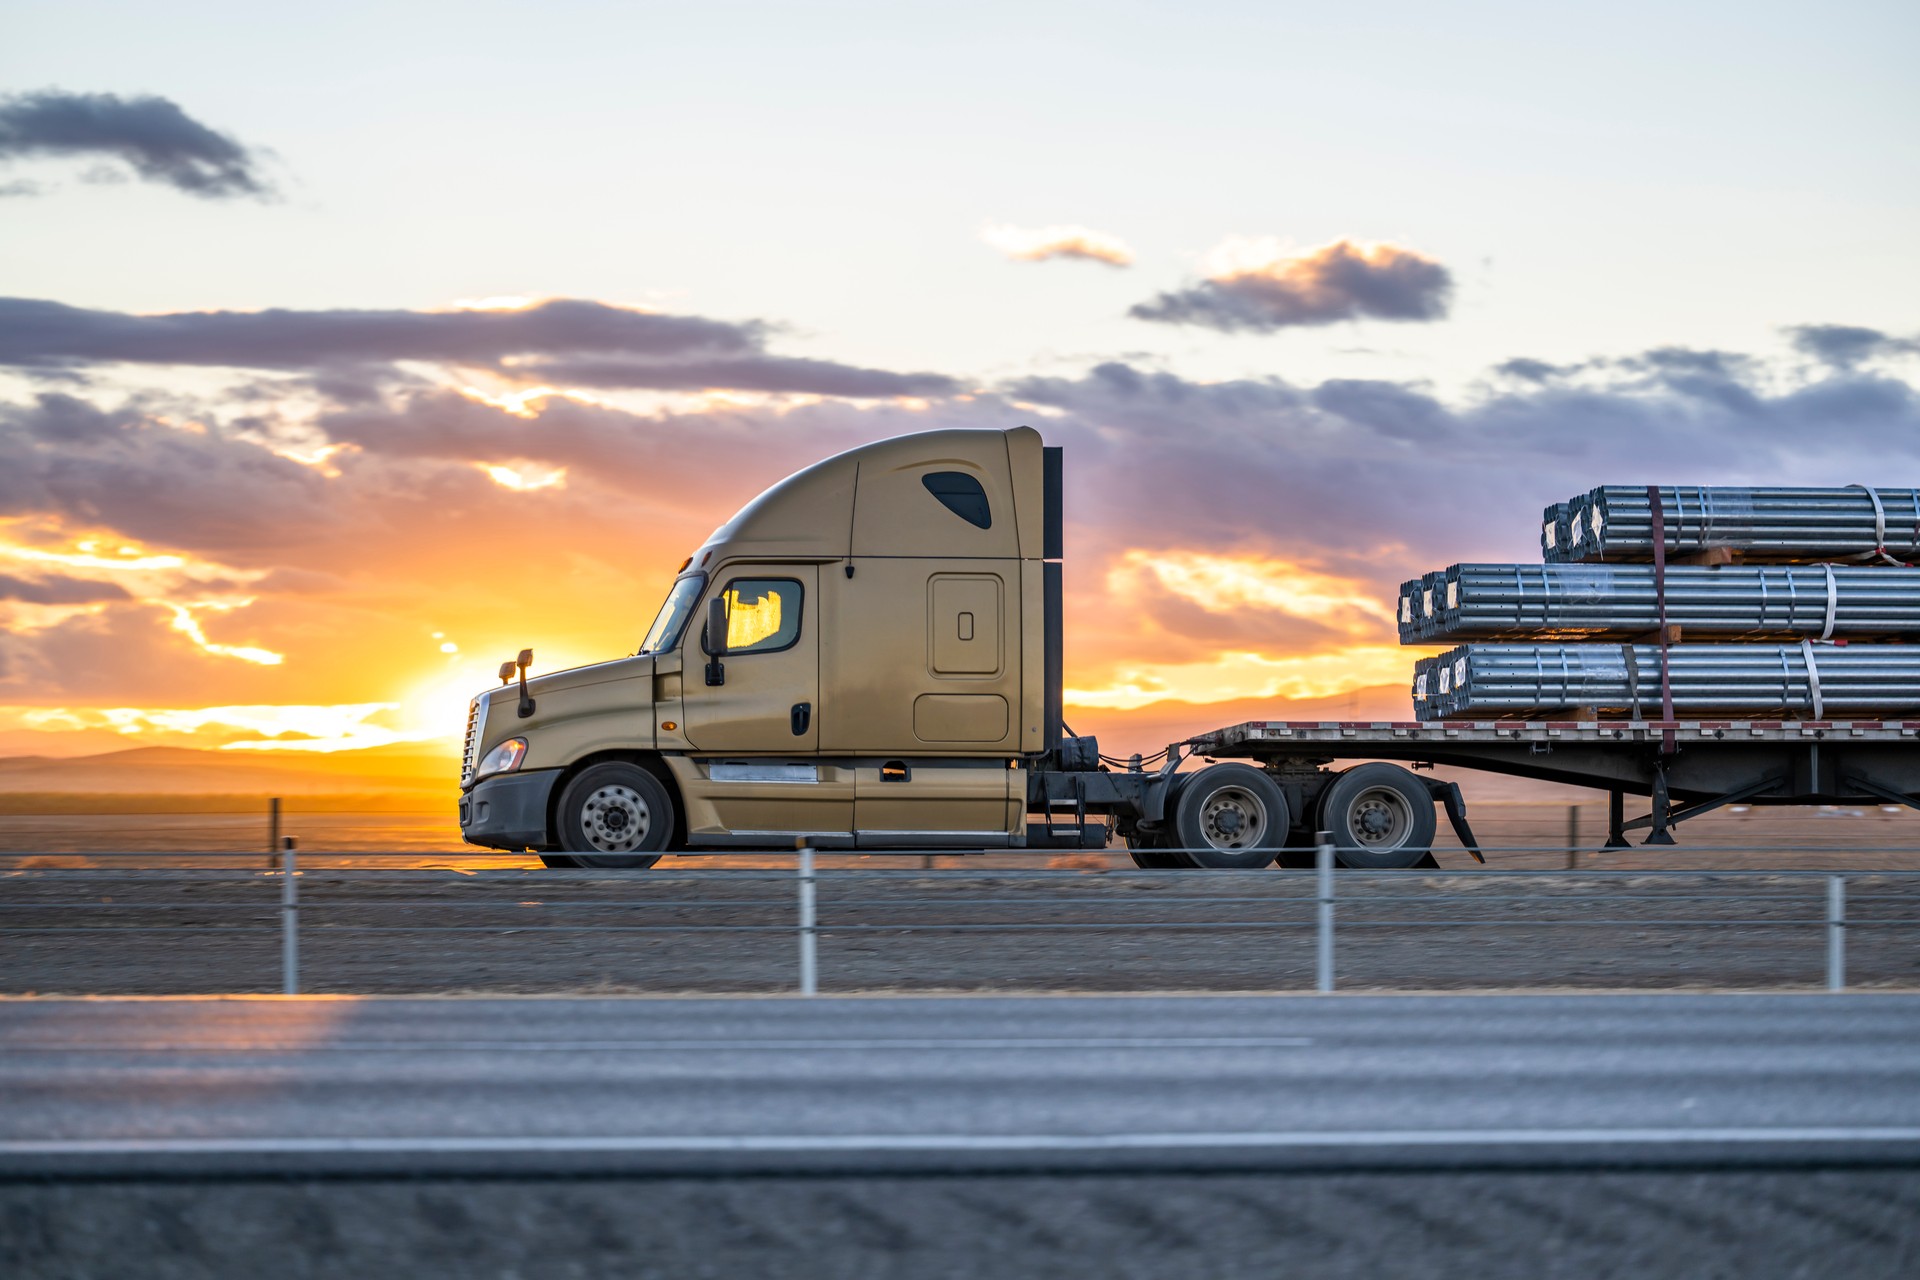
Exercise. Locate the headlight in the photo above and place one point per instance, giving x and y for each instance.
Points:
(504, 758)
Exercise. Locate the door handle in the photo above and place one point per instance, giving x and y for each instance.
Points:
(801, 716)
(895, 771)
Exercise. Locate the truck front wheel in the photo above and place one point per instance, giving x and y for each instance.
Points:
(1380, 817)
(615, 815)
(1231, 816)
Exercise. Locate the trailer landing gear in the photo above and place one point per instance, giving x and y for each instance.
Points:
(1659, 823)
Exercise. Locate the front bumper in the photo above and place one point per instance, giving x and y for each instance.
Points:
(508, 811)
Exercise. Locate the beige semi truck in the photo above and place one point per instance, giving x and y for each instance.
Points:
(868, 656)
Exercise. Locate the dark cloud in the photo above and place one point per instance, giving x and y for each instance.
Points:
(1386, 407)
(754, 373)
(154, 136)
(1846, 345)
(1366, 479)
(152, 480)
(1528, 369)
(59, 590)
(1145, 398)
(1685, 361)
(34, 333)
(352, 352)
(1338, 281)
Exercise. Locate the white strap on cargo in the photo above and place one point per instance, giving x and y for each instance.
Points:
(1879, 526)
(1833, 603)
(1813, 680)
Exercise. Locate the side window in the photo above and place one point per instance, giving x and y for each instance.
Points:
(961, 494)
(763, 614)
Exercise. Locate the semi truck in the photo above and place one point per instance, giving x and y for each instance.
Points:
(868, 656)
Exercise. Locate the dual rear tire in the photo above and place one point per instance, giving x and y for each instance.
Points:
(1380, 818)
(1234, 816)
(1229, 816)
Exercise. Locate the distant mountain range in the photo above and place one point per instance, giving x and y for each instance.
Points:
(185, 771)
(408, 771)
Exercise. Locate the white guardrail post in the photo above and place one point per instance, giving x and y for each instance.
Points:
(809, 963)
(1323, 939)
(1836, 933)
(289, 919)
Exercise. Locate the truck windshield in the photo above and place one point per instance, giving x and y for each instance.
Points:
(666, 628)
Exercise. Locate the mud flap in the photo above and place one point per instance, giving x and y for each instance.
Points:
(1448, 794)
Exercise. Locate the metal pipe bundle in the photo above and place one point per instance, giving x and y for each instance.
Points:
(1762, 525)
(1750, 681)
(1602, 601)
(1419, 597)
(1555, 529)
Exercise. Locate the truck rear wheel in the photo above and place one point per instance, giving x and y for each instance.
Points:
(614, 814)
(1380, 817)
(1231, 816)
(1151, 853)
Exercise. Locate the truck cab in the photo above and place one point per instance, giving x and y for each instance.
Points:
(866, 656)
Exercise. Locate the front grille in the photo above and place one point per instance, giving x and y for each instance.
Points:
(476, 725)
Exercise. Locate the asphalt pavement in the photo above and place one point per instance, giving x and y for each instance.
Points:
(1040, 1084)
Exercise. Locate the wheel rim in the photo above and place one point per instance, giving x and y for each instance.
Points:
(1233, 819)
(616, 819)
(1379, 818)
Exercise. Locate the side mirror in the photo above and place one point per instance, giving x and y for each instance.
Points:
(506, 673)
(713, 641)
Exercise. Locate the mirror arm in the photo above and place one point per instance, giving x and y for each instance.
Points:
(526, 704)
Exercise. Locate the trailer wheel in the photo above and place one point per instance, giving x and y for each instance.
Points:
(614, 815)
(1231, 816)
(1380, 817)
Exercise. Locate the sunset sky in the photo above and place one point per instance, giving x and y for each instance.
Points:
(346, 351)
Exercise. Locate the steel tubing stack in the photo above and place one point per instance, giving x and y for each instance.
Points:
(1603, 601)
(1748, 681)
(1614, 523)
(1419, 597)
(1555, 529)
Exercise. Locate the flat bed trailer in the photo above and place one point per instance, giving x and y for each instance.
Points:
(1685, 768)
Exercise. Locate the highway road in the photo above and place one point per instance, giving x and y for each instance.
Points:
(1042, 1084)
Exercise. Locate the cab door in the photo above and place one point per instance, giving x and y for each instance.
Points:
(767, 697)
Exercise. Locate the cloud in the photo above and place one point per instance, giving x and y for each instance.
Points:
(1260, 287)
(755, 373)
(1037, 244)
(1527, 369)
(1846, 345)
(585, 343)
(59, 590)
(34, 332)
(154, 136)
(1277, 510)
(151, 479)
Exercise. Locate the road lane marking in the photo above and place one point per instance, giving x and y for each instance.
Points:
(672, 1046)
(989, 1143)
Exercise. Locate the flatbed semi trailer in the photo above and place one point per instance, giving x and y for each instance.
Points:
(869, 656)
(1685, 768)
